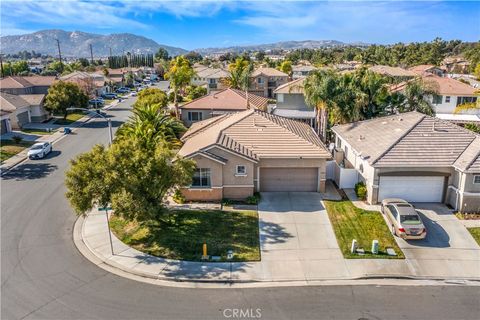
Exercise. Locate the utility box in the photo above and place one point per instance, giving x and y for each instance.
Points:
(354, 247)
(375, 246)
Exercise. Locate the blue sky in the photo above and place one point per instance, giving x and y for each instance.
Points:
(196, 24)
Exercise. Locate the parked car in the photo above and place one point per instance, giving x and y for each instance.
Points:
(39, 150)
(123, 90)
(96, 102)
(109, 96)
(403, 219)
(134, 94)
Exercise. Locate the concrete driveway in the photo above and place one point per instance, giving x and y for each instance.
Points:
(448, 249)
(295, 229)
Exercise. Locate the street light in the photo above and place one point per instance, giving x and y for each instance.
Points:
(109, 122)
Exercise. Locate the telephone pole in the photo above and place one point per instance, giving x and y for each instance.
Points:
(91, 53)
(59, 54)
(1, 66)
(110, 51)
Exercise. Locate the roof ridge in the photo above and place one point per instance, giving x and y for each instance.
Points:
(399, 139)
(223, 134)
(464, 150)
(211, 94)
(377, 118)
(208, 125)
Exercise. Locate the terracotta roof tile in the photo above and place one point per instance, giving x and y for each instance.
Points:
(228, 99)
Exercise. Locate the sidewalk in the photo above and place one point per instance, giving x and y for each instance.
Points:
(52, 138)
(92, 235)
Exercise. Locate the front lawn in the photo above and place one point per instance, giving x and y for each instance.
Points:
(9, 148)
(475, 232)
(183, 237)
(38, 131)
(71, 118)
(350, 222)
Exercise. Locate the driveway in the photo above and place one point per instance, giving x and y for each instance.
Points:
(295, 229)
(448, 249)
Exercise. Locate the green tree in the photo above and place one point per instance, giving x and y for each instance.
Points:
(180, 74)
(286, 67)
(56, 66)
(195, 92)
(62, 95)
(151, 96)
(260, 55)
(417, 96)
(20, 67)
(472, 127)
(132, 179)
(161, 54)
(240, 74)
(476, 72)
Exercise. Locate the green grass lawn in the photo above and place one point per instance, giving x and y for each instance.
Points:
(38, 131)
(350, 222)
(9, 148)
(71, 118)
(475, 232)
(184, 236)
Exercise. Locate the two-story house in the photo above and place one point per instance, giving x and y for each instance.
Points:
(211, 78)
(291, 103)
(301, 71)
(266, 80)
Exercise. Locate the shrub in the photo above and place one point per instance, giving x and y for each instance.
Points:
(361, 191)
(17, 139)
(254, 199)
(178, 197)
(171, 97)
(226, 202)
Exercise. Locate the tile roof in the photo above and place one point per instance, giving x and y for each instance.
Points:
(411, 140)
(392, 71)
(214, 73)
(296, 114)
(469, 160)
(11, 102)
(300, 68)
(269, 72)
(227, 99)
(421, 69)
(256, 134)
(443, 86)
(292, 87)
(40, 80)
(33, 99)
(26, 82)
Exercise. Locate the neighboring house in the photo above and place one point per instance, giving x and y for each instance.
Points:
(266, 80)
(237, 154)
(456, 64)
(397, 73)
(211, 78)
(218, 103)
(93, 83)
(5, 121)
(425, 69)
(26, 85)
(410, 156)
(291, 103)
(450, 94)
(301, 71)
(21, 109)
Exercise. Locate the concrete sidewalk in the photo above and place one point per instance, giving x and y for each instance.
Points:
(94, 237)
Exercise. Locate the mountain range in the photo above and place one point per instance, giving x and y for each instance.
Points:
(77, 44)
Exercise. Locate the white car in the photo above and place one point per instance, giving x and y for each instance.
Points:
(39, 150)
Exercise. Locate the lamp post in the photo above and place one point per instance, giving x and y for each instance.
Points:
(109, 122)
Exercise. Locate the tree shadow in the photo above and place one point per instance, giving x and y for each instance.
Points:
(272, 233)
(29, 171)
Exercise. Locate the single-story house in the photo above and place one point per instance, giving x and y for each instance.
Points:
(5, 121)
(240, 153)
(396, 73)
(21, 109)
(94, 84)
(291, 103)
(220, 102)
(410, 156)
(425, 69)
(26, 85)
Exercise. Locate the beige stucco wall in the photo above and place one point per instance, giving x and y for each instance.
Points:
(237, 192)
(229, 177)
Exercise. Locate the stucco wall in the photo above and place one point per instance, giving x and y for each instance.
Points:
(469, 186)
(292, 102)
(237, 192)
(229, 176)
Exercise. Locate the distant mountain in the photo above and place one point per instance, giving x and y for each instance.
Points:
(285, 45)
(77, 44)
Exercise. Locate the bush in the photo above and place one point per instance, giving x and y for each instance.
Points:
(361, 191)
(194, 92)
(17, 139)
(227, 202)
(254, 199)
(171, 97)
(178, 197)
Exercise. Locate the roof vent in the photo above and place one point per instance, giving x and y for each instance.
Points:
(360, 138)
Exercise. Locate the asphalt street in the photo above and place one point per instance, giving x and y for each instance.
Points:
(45, 277)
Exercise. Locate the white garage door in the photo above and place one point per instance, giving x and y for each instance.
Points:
(288, 179)
(414, 189)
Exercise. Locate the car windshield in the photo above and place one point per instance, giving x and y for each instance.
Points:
(37, 147)
(410, 219)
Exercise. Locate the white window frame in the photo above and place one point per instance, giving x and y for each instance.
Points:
(475, 177)
(447, 99)
(198, 113)
(237, 173)
(202, 172)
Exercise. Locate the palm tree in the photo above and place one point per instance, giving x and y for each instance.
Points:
(416, 95)
(150, 126)
(180, 74)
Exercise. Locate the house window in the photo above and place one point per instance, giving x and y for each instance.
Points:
(280, 97)
(339, 143)
(437, 99)
(447, 99)
(195, 116)
(260, 80)
(201, 178)
(241, 171)
(462, 100)
(476, 179)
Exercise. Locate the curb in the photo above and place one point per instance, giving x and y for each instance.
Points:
(377, 279)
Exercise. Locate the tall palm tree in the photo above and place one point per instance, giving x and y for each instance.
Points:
(417, 93)
(240, 76)
(180, 74)
(150, 127)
